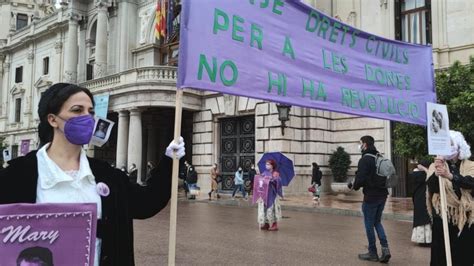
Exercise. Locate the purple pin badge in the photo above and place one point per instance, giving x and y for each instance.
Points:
(103, 189)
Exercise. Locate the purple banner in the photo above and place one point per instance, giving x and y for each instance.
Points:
(284, 51)
(54, 234)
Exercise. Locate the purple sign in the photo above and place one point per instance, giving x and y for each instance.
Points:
(56, 234)
(260, 188)
(284, 51)
(25, 146)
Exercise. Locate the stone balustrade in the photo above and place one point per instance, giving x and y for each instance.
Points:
(159, 74)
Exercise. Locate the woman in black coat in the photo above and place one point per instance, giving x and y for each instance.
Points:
(421, 220)
(66, 123)
(191, 179)
(457, 173)
(316, 177)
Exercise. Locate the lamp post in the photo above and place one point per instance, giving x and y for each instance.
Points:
(283, 115)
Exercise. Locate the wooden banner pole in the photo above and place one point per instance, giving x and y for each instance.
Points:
(444, 217)
(174, 183)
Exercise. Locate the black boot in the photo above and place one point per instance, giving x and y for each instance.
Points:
(210, 194)
(369, 256)
(385, 257)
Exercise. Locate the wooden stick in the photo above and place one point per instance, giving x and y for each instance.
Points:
(444, 217)
(174, 183)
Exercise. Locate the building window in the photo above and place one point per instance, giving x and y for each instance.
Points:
(90, 72)
(21, 21)
(19, 74)
(414, 21)
(46, 66)
(17, 110)
(14, 153)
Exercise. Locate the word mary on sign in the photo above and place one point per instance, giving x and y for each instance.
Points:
(56, 234)
(285, 51)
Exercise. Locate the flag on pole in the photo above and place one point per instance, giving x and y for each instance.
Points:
(170, 17)
(160, 19)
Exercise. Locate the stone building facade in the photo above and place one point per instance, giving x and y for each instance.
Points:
(109, 47)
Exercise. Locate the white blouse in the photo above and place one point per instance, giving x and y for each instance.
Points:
(74, 186)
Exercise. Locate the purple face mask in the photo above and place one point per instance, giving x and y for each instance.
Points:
(78, 130)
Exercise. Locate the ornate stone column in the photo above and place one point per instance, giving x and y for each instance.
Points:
(100, 68)
(71, 53)
(5, 85)
(135, 141)
(13, 23)
(56, 61)
(29, 73)
(127, 32)
(2, 57)
(122, 139)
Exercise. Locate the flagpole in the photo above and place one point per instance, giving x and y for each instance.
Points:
(444, 217)
(174, 183)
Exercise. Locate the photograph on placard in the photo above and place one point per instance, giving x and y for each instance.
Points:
(439, 142)
(103, 128)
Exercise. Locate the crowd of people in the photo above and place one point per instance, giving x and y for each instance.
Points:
(66, 123)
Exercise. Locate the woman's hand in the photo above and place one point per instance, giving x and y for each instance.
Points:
(441, 169)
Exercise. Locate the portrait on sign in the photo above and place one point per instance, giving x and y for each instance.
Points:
(47, 234)
(102, 130)
(438, 123)
(439, 142)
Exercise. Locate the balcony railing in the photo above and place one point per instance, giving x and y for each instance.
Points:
(158, 74)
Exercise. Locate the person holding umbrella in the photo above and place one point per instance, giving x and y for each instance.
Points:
(269, 212)
(276, 171)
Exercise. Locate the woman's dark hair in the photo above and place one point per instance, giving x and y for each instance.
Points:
(51, 102)
(40, 255)
(315, 165)
(369, 140)
(273, 163)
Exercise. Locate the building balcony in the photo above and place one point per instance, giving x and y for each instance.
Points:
(153, 86)
(158, 75)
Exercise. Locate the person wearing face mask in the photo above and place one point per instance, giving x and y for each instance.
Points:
(133, 173)
(149, 168)
(375, 196)
(191, 180)
(214, 175)
(252, 173)
(239, 183)
(60, 172)
(269, 209)
(457, 173)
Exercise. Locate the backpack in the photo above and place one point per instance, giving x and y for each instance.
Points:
(384, 168)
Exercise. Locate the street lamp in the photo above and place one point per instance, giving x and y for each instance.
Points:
(283, 115)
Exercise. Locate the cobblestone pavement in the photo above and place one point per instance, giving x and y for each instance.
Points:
(211, 234)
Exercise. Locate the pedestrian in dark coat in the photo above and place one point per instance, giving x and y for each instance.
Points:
(375, 196)
(133, 174)
(252, 174)
(191, 180)
(421, 220)
(316, 177)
